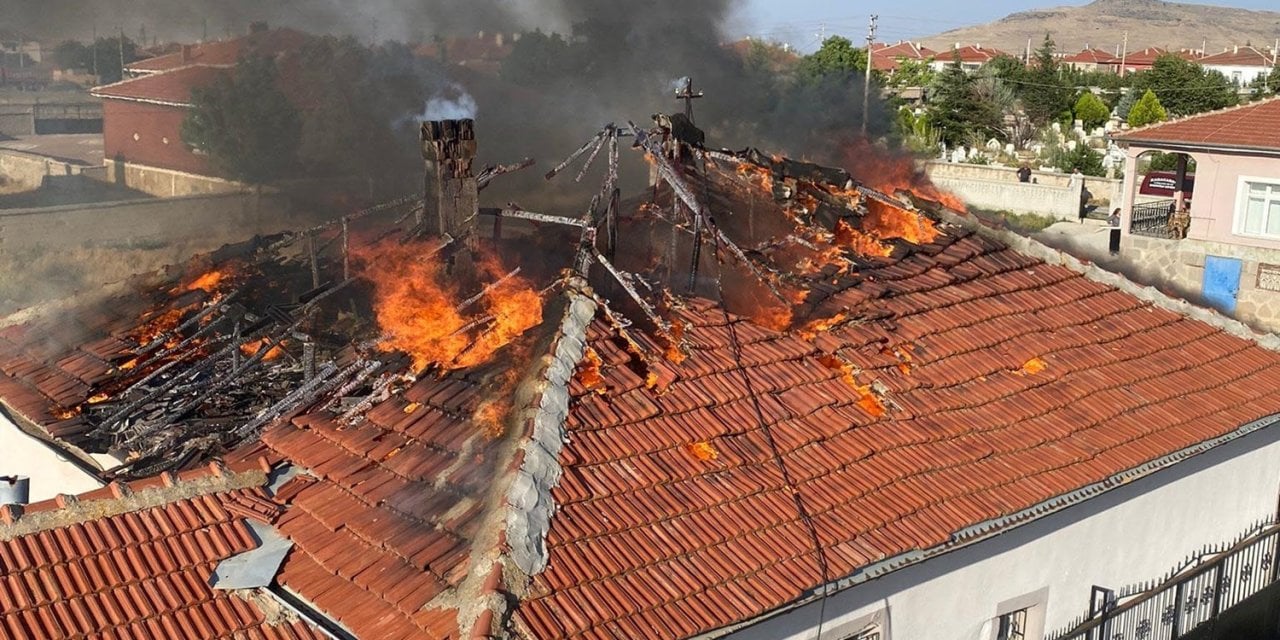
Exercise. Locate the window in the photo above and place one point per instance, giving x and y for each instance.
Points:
(870, 633)
(1237, 77)
(1258, 208)
(1012, 625)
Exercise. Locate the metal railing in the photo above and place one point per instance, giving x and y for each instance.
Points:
(1206, 585)
(1151, 219)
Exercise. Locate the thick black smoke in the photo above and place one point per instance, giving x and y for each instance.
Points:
(579, 65)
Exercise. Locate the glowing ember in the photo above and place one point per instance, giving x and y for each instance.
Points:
(98, 398)
(891, 173)
(775, 317)
(491, 416)
(412, 406)
(702, 451)
(822, 325)
(888, 223)
(1034, 366)
(252, 348)
(589, 372)
(158, 326)
(867, 398)
(208, 281)
(417, 308)
(129, 365)
(64, 414)
(673, 352)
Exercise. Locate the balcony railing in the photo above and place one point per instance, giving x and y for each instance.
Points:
(1208, 585)
(1151, 219)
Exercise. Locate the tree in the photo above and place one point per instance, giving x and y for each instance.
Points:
(1186, 88)
(957, 112)
(1091, 111)
(1006, 67)
(1084, 158)
(1045, 96)
(1147, 110)
(837, 57)
(535, 58)
(71, 54)
(913, 73)
(1126, 103)
(245, 123)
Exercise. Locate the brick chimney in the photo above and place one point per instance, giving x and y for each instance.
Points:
(452, 196)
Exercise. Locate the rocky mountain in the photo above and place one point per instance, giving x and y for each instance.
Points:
(1103, 23)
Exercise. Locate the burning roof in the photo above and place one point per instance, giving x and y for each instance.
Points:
(758, 378)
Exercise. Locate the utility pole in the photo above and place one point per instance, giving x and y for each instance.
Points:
(122, 53)
(1124, 53)
(866, 85)
(205, 33)
(97, 78)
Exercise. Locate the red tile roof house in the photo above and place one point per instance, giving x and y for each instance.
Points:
(960, 431)
(1241, 65)
(971, 57)
(142, 115)
(887, 57)
(1092, 60)
(1231, 246)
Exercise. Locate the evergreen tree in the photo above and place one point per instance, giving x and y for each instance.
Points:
(1045, 96)
(1147, 110)
(955, 111)
(1186, 88)
(1091, 111)
(245, 123)
(1126, 103)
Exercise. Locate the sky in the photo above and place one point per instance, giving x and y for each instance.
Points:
(800, 22)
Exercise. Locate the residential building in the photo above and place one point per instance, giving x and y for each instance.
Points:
(1242, 65)
(1092, 60)
(18, 50)
(971, 57)
(142, 115)
(1227, 246)
(483, 52)
(953, 433)
(885, 57)
(1140, 60)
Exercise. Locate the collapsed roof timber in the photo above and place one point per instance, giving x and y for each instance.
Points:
(662, 417)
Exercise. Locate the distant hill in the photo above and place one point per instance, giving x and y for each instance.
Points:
(1102, 24)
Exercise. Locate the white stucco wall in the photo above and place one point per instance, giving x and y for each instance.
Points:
(1134, 533)
(51, 473)
(1248, 73)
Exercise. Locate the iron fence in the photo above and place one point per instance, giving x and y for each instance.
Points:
(1206, 585)
(1152, 219)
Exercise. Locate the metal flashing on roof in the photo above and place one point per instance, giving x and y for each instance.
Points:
(254, 568)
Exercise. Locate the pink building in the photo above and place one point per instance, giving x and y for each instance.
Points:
(1219, 238)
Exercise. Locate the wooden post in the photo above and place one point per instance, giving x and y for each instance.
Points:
(346, 250)
(315, 265)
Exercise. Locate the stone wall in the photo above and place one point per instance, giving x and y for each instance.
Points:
(1105, 190)
(53, 252)
(17, 119)
(167, 183)
(1180, 264)
(24, 171)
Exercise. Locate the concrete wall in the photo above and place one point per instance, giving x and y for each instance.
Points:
(143, 222)
(1131, 534)
(167, 183)
(998, 189)
(17, 119)
(24, 171)
(51, 472)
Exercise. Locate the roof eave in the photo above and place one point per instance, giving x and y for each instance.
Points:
(165, 103)
(994, 527)
(1174, 145)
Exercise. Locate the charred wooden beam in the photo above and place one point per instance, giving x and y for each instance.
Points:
(371, 367)
(576, 154)
(595, 151)
(487, 289)
(488, 174)
(513, 212)
(624, 279)
(346, 249)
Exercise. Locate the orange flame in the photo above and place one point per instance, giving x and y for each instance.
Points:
(207, 281)
(702, 451)
(158, 326)
(98, 398)
(673, 352)
(867, 398)
(859, 242)
(891, 173)
(589, 372)
(252, 348)
(822, 325)
(417, 308)
(1034, 366)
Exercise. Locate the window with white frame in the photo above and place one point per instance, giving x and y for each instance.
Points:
(1258, 208)
(870, 633)
(1012, 625)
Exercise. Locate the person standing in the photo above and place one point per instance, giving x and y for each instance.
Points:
(1024, 173)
